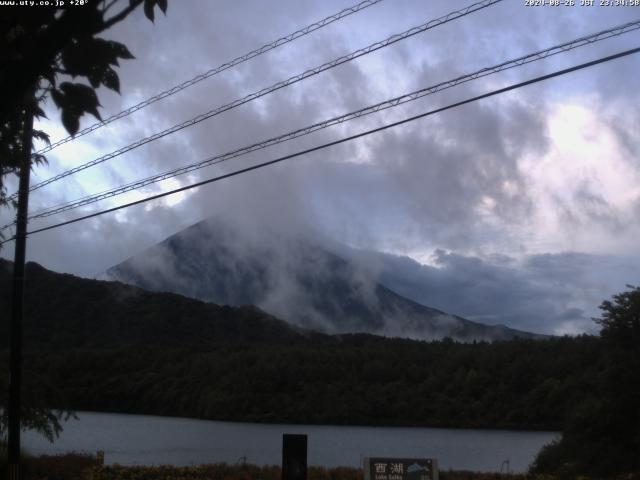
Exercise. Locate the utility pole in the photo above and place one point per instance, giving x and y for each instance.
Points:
(17, 301)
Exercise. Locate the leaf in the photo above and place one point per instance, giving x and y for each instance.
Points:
(80, 98)
(71, 121)
(77, 57)
(58, 97)
(50, 76)
(148, 9)
(39, 159)
(103, 52)
(91, 56)
(163, 5)
(38, 112)
(110, 80)
(40, 135)
(95, 77)
(121, 50)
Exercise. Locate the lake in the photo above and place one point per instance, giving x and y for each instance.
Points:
(149, 440)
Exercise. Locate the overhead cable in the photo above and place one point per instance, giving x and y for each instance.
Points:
(393, 102)
(342, 140)
(214, 71)
(277, 86)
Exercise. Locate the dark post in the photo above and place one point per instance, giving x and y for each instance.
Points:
(17, 300)
(294, 457)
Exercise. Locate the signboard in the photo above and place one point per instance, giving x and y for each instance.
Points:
(400, 468)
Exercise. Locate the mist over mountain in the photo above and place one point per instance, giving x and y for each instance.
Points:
(64, 312)
(111, 347)
(307, 281)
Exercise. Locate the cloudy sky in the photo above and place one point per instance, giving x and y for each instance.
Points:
(527, 205)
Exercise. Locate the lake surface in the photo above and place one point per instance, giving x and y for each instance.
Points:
(148, 440)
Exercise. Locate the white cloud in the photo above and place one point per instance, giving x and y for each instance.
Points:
(548, 169)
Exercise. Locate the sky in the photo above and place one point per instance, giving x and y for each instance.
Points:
(527, 205)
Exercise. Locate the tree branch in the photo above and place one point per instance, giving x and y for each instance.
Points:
(109, 5)
(120, 16)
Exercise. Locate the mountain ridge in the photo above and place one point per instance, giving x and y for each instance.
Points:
(293, 278)
(107, 346)
(64, 311)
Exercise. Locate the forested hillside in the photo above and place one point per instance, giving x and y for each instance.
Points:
(64, 311)
(357, 379)
(106, 346)
(297, 279)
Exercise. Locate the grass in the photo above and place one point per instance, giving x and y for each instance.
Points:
(51, 467)
(252, 472)
(75, 466)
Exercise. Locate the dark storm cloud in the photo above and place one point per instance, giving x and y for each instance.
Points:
(548, 293)
(451, 181)
(439, 183)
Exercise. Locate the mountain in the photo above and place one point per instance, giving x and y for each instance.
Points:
(92, 345)
(295, 278)
(64, 311)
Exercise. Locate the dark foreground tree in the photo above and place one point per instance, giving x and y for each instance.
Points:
(43, 52)
(38, 45)
(602, 434)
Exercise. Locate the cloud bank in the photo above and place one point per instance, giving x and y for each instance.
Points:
(544, 178)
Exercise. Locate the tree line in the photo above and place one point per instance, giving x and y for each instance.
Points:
(105, 346)
(357, 380)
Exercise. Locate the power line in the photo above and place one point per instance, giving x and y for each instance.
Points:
(523, 60)
(343, 140)
(214, 71)
(277, 86)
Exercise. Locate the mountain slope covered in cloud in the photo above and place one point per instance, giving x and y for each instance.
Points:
(294, 278)
(65, 312)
